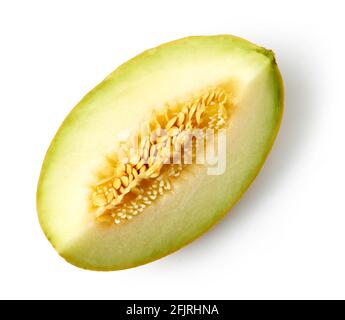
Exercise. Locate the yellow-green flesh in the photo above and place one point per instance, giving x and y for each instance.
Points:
(171, 72)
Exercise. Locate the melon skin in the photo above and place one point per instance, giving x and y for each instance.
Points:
(158, 75)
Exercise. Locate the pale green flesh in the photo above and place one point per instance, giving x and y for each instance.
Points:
(172, 71)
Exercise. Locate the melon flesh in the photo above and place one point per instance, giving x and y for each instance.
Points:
(172, 72)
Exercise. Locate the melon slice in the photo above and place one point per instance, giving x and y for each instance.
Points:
(159, 151)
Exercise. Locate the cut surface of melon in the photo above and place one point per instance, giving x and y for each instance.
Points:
(104, 214)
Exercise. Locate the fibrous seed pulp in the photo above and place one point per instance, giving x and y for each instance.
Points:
(141, 173)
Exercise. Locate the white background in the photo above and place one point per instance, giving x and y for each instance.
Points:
(286, 237)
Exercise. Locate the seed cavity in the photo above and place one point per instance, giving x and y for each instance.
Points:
(139, 178)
